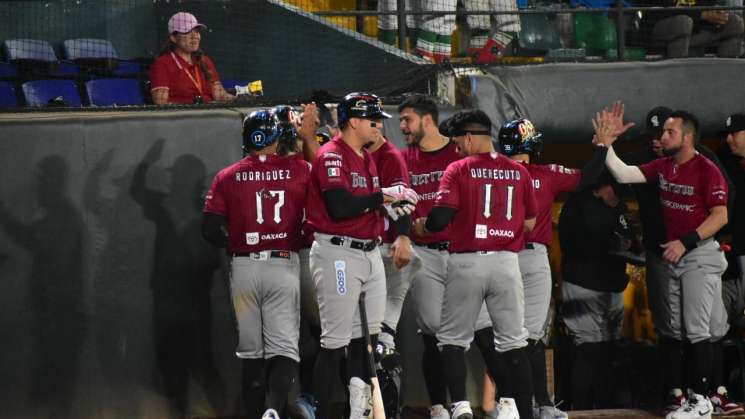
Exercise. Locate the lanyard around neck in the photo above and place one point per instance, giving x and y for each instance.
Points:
(196, 81)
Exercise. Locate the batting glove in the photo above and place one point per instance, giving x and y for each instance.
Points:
(392, 213)
(400, 193)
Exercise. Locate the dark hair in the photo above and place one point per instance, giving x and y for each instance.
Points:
(169, 46)
(690, 122)
(422, 105)
(471, 119)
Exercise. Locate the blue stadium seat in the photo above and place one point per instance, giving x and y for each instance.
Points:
(8, 71)
(127, 68)
(89, 48)
(38, 93)
(8, 98)
(64, 69)
(114, 92)
(29, 49)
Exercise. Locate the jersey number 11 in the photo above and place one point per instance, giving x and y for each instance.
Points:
(487, 201)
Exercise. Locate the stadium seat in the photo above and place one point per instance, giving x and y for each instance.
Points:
(538, 33)
(8, 71)
(127, 68)
(38, 93)
(114, 92)
(8, 98)
(29, 49)
(88, 48)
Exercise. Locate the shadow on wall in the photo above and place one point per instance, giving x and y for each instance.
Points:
(59, 321)
(183, 265)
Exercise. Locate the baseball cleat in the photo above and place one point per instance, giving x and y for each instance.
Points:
(270, 414)
(360, 399)
(723, 405)
(438, 411)
(696, 406)
(551, 412)
(507, 409)
(461, 410)
(304, 404)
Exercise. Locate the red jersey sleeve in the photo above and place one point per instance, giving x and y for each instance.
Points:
(448, 195)
(159, 74)
(563, 179)
(215, 200)
(331, 173)
(715, 188)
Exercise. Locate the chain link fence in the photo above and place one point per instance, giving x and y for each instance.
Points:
(98, 54)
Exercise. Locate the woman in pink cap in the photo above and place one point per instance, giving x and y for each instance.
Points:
(182, 74)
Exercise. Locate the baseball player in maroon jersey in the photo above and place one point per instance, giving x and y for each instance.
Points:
(521, 142)
(427, 155)
(255, 209)
(489, 201)
(392, 172)
(693, 196)
(344, 212)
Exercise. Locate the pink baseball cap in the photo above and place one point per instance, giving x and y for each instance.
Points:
(183, 22)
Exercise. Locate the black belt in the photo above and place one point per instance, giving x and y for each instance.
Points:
(435, 246)
(355, 244)
(278, 254)
(529, 246)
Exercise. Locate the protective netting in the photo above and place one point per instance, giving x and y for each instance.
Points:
(101, 52)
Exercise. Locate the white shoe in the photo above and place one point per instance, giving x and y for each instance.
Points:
(270, 414)
(360, 399)
(696, 406)
(438, 411)
(507, 409)
(461, 410)
(551, 412)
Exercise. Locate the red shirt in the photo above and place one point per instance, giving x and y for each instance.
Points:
(392, 171)
(425, 172)
(687, 192)
(493, 196)
(169, 71)
(263, 198)
(338, 166)
(549, 180)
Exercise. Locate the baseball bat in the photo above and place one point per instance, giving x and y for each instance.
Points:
(378, 410)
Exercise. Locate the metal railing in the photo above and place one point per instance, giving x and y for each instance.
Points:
(619, 10)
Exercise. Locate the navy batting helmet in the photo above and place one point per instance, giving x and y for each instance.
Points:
(359, 105)
(264, 127)
(519, 137)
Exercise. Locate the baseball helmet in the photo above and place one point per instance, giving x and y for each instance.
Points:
(359, 105)
(519, 137)
(264, 127)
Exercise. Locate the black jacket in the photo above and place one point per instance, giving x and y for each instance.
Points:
(589, 232)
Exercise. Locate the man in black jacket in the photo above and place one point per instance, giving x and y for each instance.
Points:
(593, 229)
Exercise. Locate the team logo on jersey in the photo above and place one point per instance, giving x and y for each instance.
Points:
(252, 238)
(480, 231)
(341, 276)
(729, 121)
(334, 172)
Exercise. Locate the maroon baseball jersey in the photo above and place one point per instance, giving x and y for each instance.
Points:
(549, 180)
(687, 192)
(425, 172)
(392, 171)
(263, 198)
(338, 166)
(493, 196)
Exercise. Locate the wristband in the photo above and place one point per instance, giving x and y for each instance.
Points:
(690, 240)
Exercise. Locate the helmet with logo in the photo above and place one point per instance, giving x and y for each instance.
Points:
(519, 137)
(359, 105)
(264, 127)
